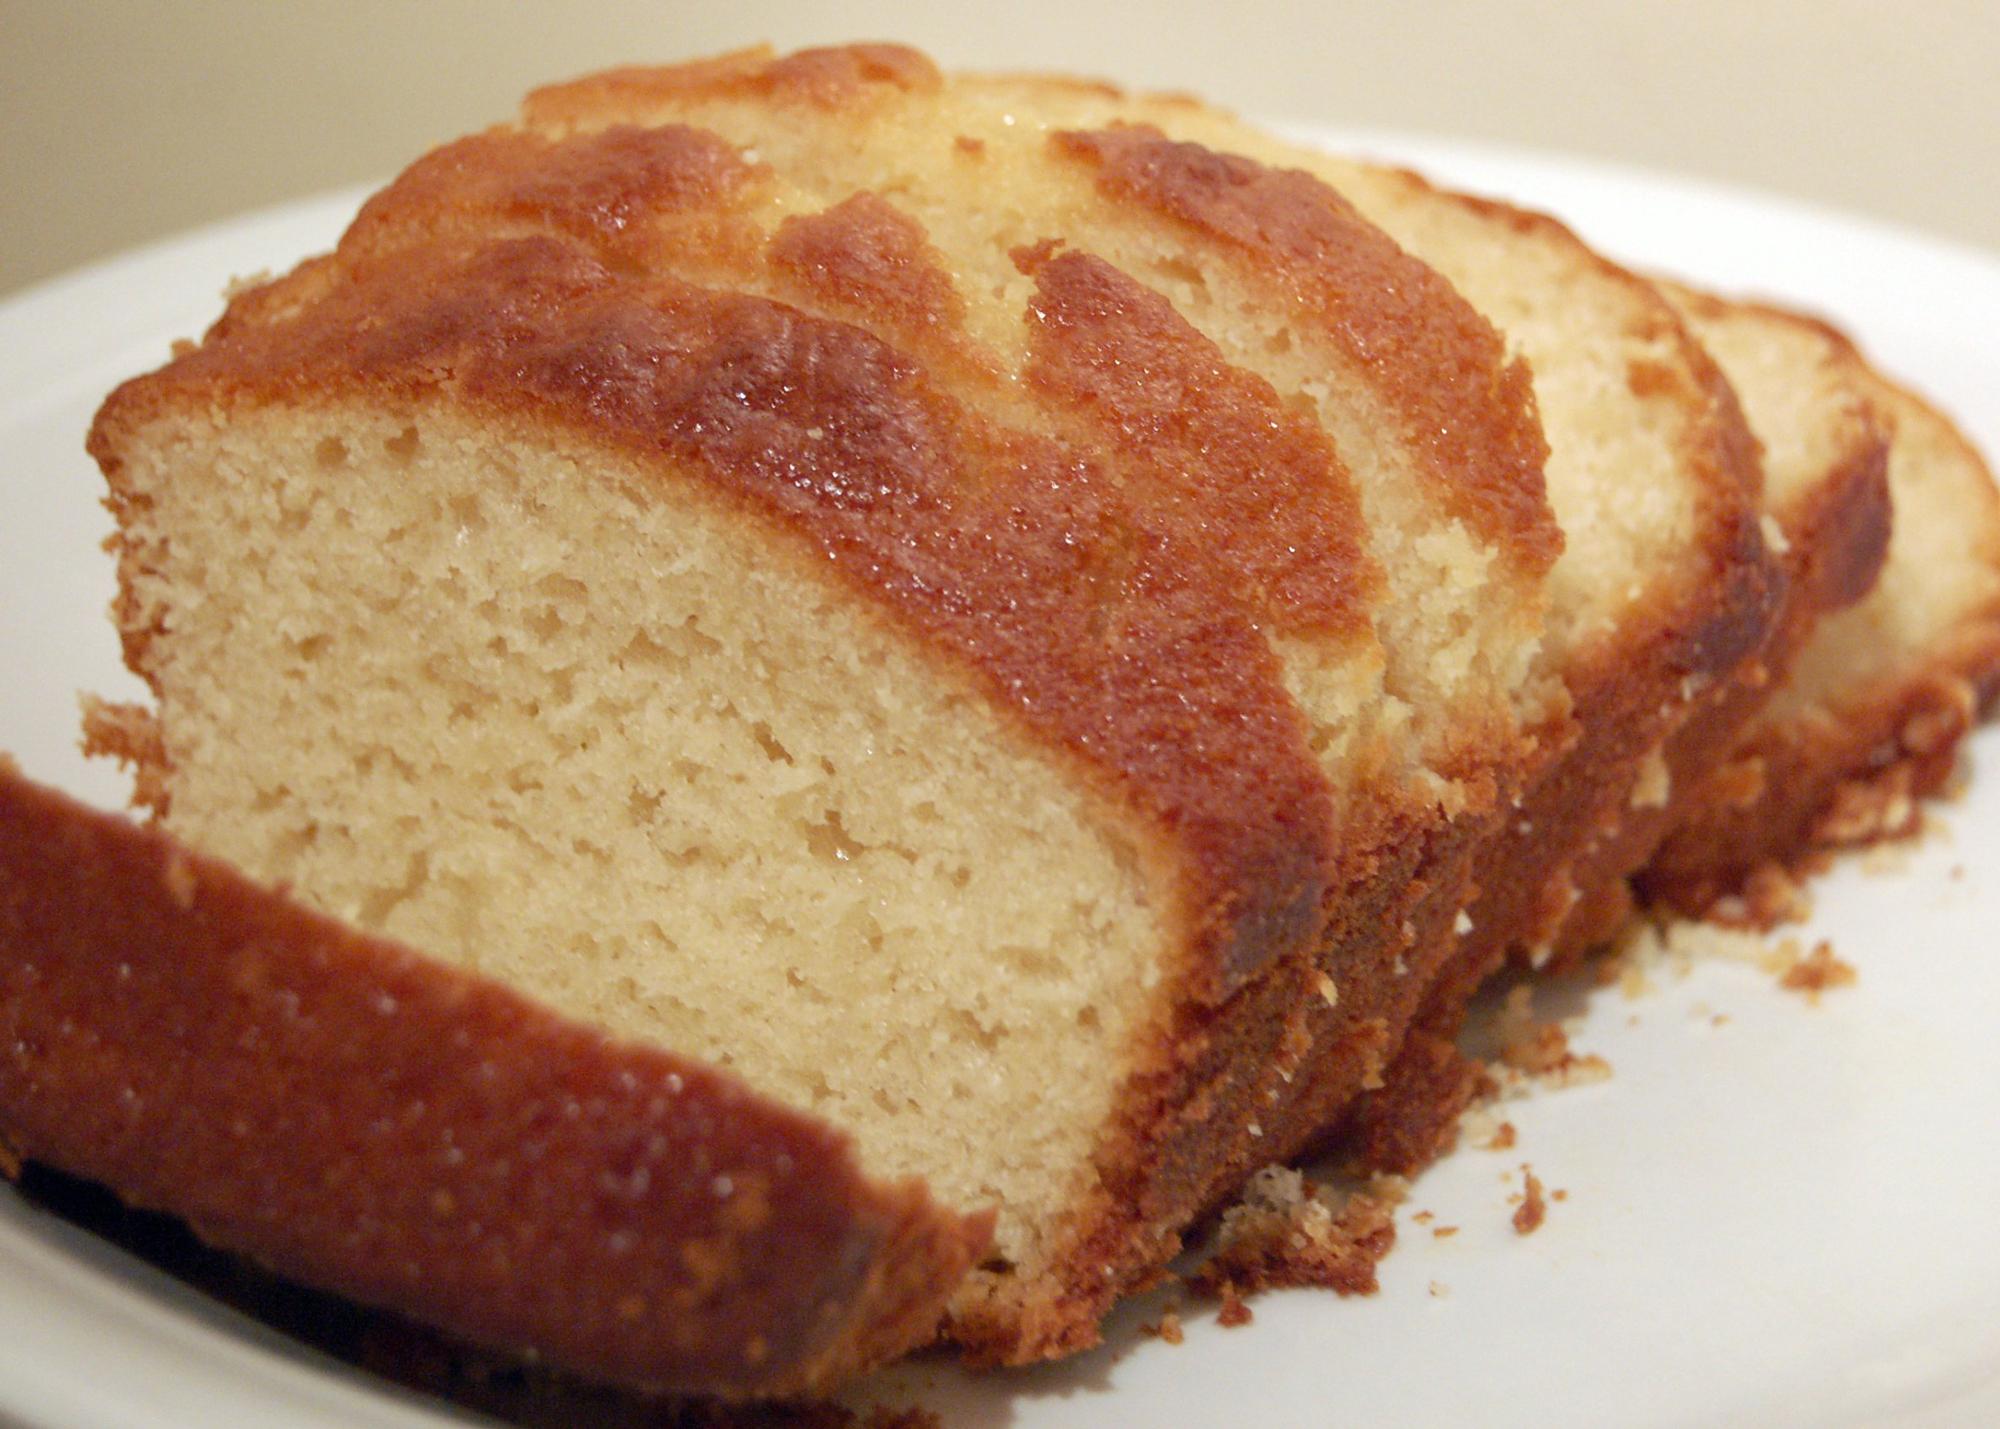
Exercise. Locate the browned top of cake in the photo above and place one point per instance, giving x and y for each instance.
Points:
(1466, 408)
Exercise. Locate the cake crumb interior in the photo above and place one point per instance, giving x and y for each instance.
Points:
(479, 695)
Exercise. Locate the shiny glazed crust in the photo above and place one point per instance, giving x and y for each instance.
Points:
(350, 1113)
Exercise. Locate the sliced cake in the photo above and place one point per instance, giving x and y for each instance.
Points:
(970, 620)
(1827, 511)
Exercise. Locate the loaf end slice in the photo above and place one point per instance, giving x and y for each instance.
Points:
(348, 1112)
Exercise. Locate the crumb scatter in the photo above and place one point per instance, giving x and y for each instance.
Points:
(1288, 1231)
(1533, 1208)
(1817, 971)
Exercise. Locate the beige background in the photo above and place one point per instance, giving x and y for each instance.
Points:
(125, 120)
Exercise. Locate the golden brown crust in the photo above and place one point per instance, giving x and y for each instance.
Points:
(351, 1113)
(867, 261)
(1200, 433)
(829, 78)
(1465, 409)
(1797, 788)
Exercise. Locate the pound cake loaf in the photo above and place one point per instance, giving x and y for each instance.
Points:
(1878, 696)
(802, 706)
(969, 619)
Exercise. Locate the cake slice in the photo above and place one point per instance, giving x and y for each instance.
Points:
(1826, 505)
(972, 628)
(1869, 718)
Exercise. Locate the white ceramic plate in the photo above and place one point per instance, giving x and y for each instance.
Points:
(1789, 1217)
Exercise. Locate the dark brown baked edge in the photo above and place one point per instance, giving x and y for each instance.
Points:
(348, 1112)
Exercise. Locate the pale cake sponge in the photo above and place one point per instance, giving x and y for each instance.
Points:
(976, 639)
(1879, 697)
(543, 748)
